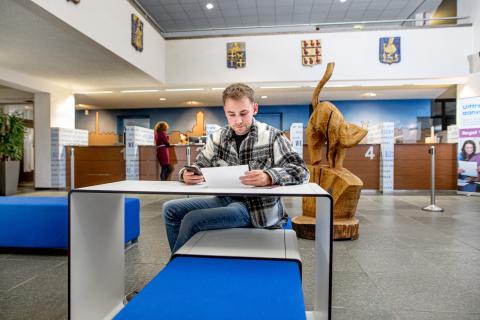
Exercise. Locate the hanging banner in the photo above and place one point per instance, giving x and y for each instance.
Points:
(468, 123)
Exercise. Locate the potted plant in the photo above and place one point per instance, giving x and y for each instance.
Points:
(12, 131)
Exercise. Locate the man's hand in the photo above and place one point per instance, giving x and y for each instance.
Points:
(256, 178)
(191, 178)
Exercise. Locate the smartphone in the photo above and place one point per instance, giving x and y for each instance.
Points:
(193, 169)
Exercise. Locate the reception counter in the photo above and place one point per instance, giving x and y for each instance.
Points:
(149, 168)
(103, 164)
(411, 165)
(95, 165)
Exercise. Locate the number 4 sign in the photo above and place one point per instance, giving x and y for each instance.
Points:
(370, 154)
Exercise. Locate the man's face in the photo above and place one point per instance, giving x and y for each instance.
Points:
(240, 114)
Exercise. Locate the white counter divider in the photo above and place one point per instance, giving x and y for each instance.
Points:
(296, 137)
(135, 136)
(383, 134)
(60, 138)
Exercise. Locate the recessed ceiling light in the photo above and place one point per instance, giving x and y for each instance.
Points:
(342, 1)
(139, 91)
(209, 6)
(189, 89)
(163, 99)
(264, 97)
(369, 94)
(95, 92)
(279, 87)
(218, 88)
(358, 26)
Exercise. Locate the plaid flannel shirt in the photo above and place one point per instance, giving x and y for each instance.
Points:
(265, 148)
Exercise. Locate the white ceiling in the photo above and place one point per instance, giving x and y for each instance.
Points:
(37, 44)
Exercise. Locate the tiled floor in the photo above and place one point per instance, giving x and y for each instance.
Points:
(407, 263)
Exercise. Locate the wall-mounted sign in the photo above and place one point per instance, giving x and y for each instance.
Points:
(137, 33)
(311, 52)
(236, 55)
(389, 50)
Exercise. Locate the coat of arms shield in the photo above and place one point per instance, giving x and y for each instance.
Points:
(236, 55)
(137, 33)
(311, 52)
(389, 50)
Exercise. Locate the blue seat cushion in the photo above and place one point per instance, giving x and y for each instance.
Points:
(220, 288)
(42, 222)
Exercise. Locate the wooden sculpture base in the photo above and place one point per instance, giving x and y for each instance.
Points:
(304, 226)
(345, 189)
(345, 229)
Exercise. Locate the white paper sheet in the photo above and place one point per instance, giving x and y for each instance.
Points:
(225, 176)
(469, 168)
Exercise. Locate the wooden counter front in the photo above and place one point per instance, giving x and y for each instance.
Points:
(96, 165)
(412, 166)
(149, 168)
(363, 160)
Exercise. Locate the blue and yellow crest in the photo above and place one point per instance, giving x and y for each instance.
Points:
(390, 50)
(236, 55)
(137, 33)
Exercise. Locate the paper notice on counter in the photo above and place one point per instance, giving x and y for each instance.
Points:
(469, 168)
(225, 176)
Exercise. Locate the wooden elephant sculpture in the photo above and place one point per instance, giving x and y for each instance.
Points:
(327, 124)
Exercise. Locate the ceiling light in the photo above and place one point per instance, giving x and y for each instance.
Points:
(139, 91)
(188, 89)
(279, 87)
(95, 92)
(163, 99)
(86, 112)
(358, 26)
(218, 88)
(369, 94)
(209, 6)
(342, 1)
(264, 97)
(192, 102)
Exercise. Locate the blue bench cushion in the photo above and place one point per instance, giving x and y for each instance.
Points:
(42, 222)
(219, 288)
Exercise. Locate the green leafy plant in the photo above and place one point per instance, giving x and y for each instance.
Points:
(12, 131)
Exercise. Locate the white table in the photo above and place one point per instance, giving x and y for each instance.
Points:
(96, 243)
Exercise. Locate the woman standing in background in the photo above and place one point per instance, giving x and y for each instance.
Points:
(162, 143)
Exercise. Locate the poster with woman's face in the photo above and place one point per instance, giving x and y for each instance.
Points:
(468, 122)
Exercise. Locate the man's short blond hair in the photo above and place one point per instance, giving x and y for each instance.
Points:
(237, 91)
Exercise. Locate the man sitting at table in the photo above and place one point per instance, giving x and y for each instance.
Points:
(270, 157)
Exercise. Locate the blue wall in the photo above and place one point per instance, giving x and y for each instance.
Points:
(403, 112)
(182, 119)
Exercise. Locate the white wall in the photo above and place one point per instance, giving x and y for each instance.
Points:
(108, 22)
(471, 8)
(426, 53)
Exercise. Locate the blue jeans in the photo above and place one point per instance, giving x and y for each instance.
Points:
(185, 217)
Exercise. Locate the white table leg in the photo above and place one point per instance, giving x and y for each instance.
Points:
(96, 255)
(323, 266)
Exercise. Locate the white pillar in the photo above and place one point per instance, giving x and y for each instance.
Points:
(50, 110)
